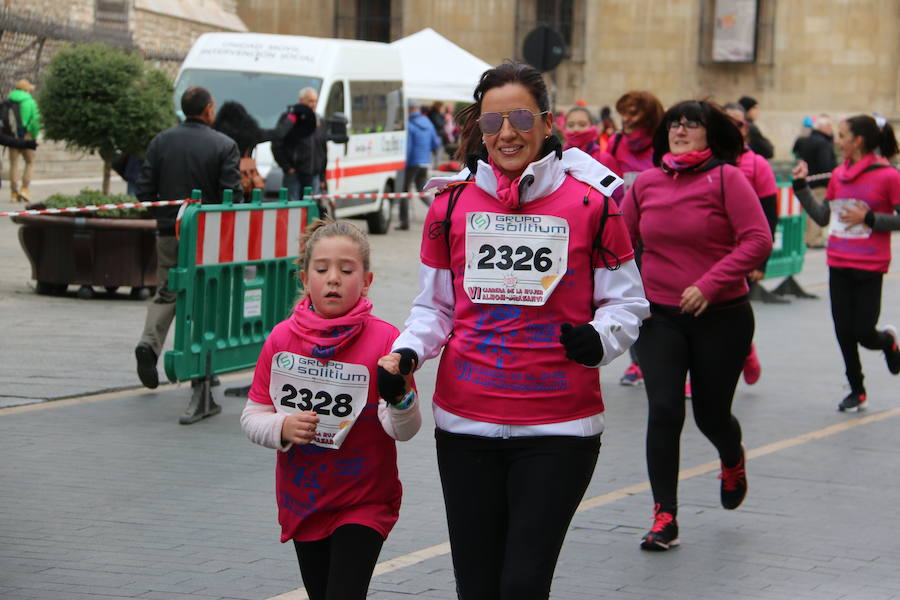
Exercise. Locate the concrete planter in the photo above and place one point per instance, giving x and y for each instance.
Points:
(90, 252)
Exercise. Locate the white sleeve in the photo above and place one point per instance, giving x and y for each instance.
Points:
(403, 424)
(621, 308)
(262, 424)
(430, 320)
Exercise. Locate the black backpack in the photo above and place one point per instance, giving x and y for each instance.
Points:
(11, 119)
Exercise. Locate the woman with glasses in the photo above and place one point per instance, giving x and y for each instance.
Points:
(632, 149)
(759, 173)
(860, 208)
(703, 230)
(528, 286)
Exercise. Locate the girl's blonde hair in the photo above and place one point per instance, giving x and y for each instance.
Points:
(321, 229)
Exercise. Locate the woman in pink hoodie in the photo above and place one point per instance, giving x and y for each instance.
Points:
(632, 149)
(861, 203)
(703, 230)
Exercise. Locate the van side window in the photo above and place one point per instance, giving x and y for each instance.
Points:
(377, 106)
(335, 102)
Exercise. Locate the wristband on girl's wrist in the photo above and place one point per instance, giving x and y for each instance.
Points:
(406, 401)
(869, 219)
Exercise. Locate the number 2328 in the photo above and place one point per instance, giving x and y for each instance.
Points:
(303, 399)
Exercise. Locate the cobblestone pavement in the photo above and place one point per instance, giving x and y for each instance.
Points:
(104, 495)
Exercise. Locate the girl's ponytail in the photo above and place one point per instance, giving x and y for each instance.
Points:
(888, 144)
(877, 134)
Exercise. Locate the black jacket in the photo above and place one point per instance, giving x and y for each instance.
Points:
(186, 157)
(293, 148)
(759, 143)
(817, 149)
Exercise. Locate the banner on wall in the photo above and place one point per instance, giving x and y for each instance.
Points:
(734, 34)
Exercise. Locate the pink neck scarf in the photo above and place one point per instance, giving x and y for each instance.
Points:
(688, 160)
(322, 338)
(581, 139)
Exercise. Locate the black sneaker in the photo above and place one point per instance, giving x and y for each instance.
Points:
(853, 401)
(734, 484)
(146, 365)
(892, 354)
(664, 533)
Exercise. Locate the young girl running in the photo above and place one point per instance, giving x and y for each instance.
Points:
(860, 203)
(314, 399)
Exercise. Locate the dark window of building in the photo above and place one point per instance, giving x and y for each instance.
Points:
(111, 14)
(373, 21)
(558, 15)
(568, 17)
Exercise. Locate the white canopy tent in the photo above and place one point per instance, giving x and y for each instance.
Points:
(435, 68)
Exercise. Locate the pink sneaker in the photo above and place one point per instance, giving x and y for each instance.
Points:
(632, 376)
(752, 368)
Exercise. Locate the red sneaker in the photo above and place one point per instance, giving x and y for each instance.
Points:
(752, 368)
(734, 484)
(664, 533)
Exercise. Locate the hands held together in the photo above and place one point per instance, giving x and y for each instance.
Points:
(395, 374)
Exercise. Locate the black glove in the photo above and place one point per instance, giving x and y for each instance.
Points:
(393, 387)
(582, 343)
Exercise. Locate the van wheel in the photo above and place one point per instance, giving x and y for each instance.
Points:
(380, 222)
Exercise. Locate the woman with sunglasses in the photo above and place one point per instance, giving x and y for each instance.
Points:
(861, 203)
(759, 173)
(527, 285)
(632, 149)
(703, 230)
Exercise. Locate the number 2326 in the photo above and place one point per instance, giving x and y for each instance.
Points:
(526, 258)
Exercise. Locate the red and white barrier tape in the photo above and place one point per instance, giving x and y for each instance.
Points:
(90, 208)
(100, 207)
(372, 196)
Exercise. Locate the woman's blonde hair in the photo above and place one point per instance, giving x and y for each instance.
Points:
(321, 229)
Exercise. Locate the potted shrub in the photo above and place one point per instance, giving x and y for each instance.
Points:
(103, 248)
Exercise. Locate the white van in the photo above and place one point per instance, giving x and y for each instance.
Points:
(362, 81)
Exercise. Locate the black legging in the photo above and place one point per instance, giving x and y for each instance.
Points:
(509, 503)
(340, 566)
(855, 307)
(712, 347)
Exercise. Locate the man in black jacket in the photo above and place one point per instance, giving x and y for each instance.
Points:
(817, 150)
(188, 156)
(758, 142)
(301, 156)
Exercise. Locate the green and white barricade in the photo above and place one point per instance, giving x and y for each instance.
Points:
(236, 279)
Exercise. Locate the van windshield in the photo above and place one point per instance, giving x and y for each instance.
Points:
(264, 95)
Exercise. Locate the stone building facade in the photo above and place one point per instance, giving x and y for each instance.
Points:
(31, 31)
(836, 56)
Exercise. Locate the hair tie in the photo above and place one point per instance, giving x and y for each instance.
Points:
(880, 121)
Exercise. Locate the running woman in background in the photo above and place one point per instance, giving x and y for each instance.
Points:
(760, 175)
(314, 399)
(641, 114)
(703, 230)
(861, 206)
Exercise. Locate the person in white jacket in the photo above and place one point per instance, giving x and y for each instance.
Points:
(528, 285)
